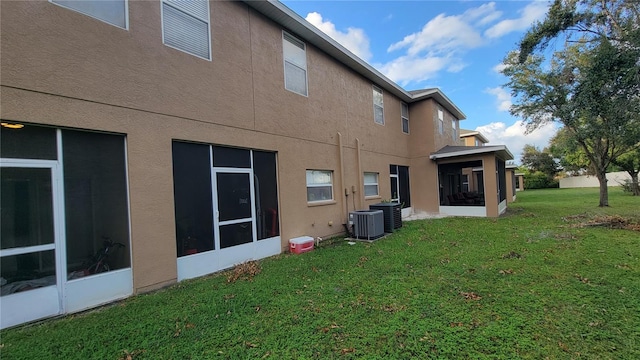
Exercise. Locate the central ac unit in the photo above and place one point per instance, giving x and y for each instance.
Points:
(392, 215)
(367, 224)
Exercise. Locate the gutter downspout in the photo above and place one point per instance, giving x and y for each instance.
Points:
(342, 188)
(360, 177)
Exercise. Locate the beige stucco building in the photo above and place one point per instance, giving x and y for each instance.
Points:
(472, 138)
(146, 142)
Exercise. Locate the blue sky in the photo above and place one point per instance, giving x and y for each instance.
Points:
(457, 46)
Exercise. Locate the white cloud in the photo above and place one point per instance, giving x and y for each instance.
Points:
(406, 69)
(439, 45)
(485, 14)
(449, 32)
(502, 96)
(498, 68)
(531, 13)
(513, 136)
(355, 39)
(443, 33)
(456, 67)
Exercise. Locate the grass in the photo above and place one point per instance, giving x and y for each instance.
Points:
(532, 284)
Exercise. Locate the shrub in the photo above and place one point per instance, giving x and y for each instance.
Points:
(629, 187)
(539, 180)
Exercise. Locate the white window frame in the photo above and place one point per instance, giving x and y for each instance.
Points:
(126, 13)
(301, 44)
(312, 185)
(170, 3)
(440, 121)
(404, 116)
(381, 105)
(371, 183)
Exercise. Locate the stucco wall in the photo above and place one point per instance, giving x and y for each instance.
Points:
(613, 179)
(64, 69)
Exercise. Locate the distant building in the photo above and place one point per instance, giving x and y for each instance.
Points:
(473, 138)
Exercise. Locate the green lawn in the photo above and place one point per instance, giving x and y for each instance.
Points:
(532, 284)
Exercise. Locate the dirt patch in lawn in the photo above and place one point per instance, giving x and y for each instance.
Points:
(608, 221)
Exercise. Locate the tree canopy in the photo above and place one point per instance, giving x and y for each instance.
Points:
(572, 158)
(591, 85)
(536, 160)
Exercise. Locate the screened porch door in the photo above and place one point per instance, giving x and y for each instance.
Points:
(30, 257)
(234, 220)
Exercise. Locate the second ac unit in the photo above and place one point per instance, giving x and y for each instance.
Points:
(367, 224)
(392, 215)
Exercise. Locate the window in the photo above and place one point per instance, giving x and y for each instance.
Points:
(454, 128)
(478, 143)
(113, 12)
(185, 26)
(295, 64)
(371, 184)
(378, 106)
(440, 121)
(465, 183)
(319, 185)
(405, 118)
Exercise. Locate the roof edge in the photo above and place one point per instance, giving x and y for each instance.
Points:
(474, 151)
(477, 134)
(289, 19)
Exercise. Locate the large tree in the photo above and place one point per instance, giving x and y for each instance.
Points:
(630, 162)
(536, 160)
(572, 158)
(591, 85)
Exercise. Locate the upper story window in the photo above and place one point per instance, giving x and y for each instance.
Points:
(113, 12)
(440, 121)
(378, 106)
(454, 128)
(479, 143)
(295, 64)
(371, 184)
(405, 118)
(185, 26)
(319, 185)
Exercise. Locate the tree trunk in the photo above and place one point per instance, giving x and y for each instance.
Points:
(604, 190)
(635, 187)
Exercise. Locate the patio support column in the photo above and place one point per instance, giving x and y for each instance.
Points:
(490, 185)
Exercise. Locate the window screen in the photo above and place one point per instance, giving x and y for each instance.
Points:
(192, 198)
(371, 184)
(113, 12)
(319, 185)
(405, 118)
(26, 141)
(295, 64)
(95, 198)
(378, 106)
(186, 26)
